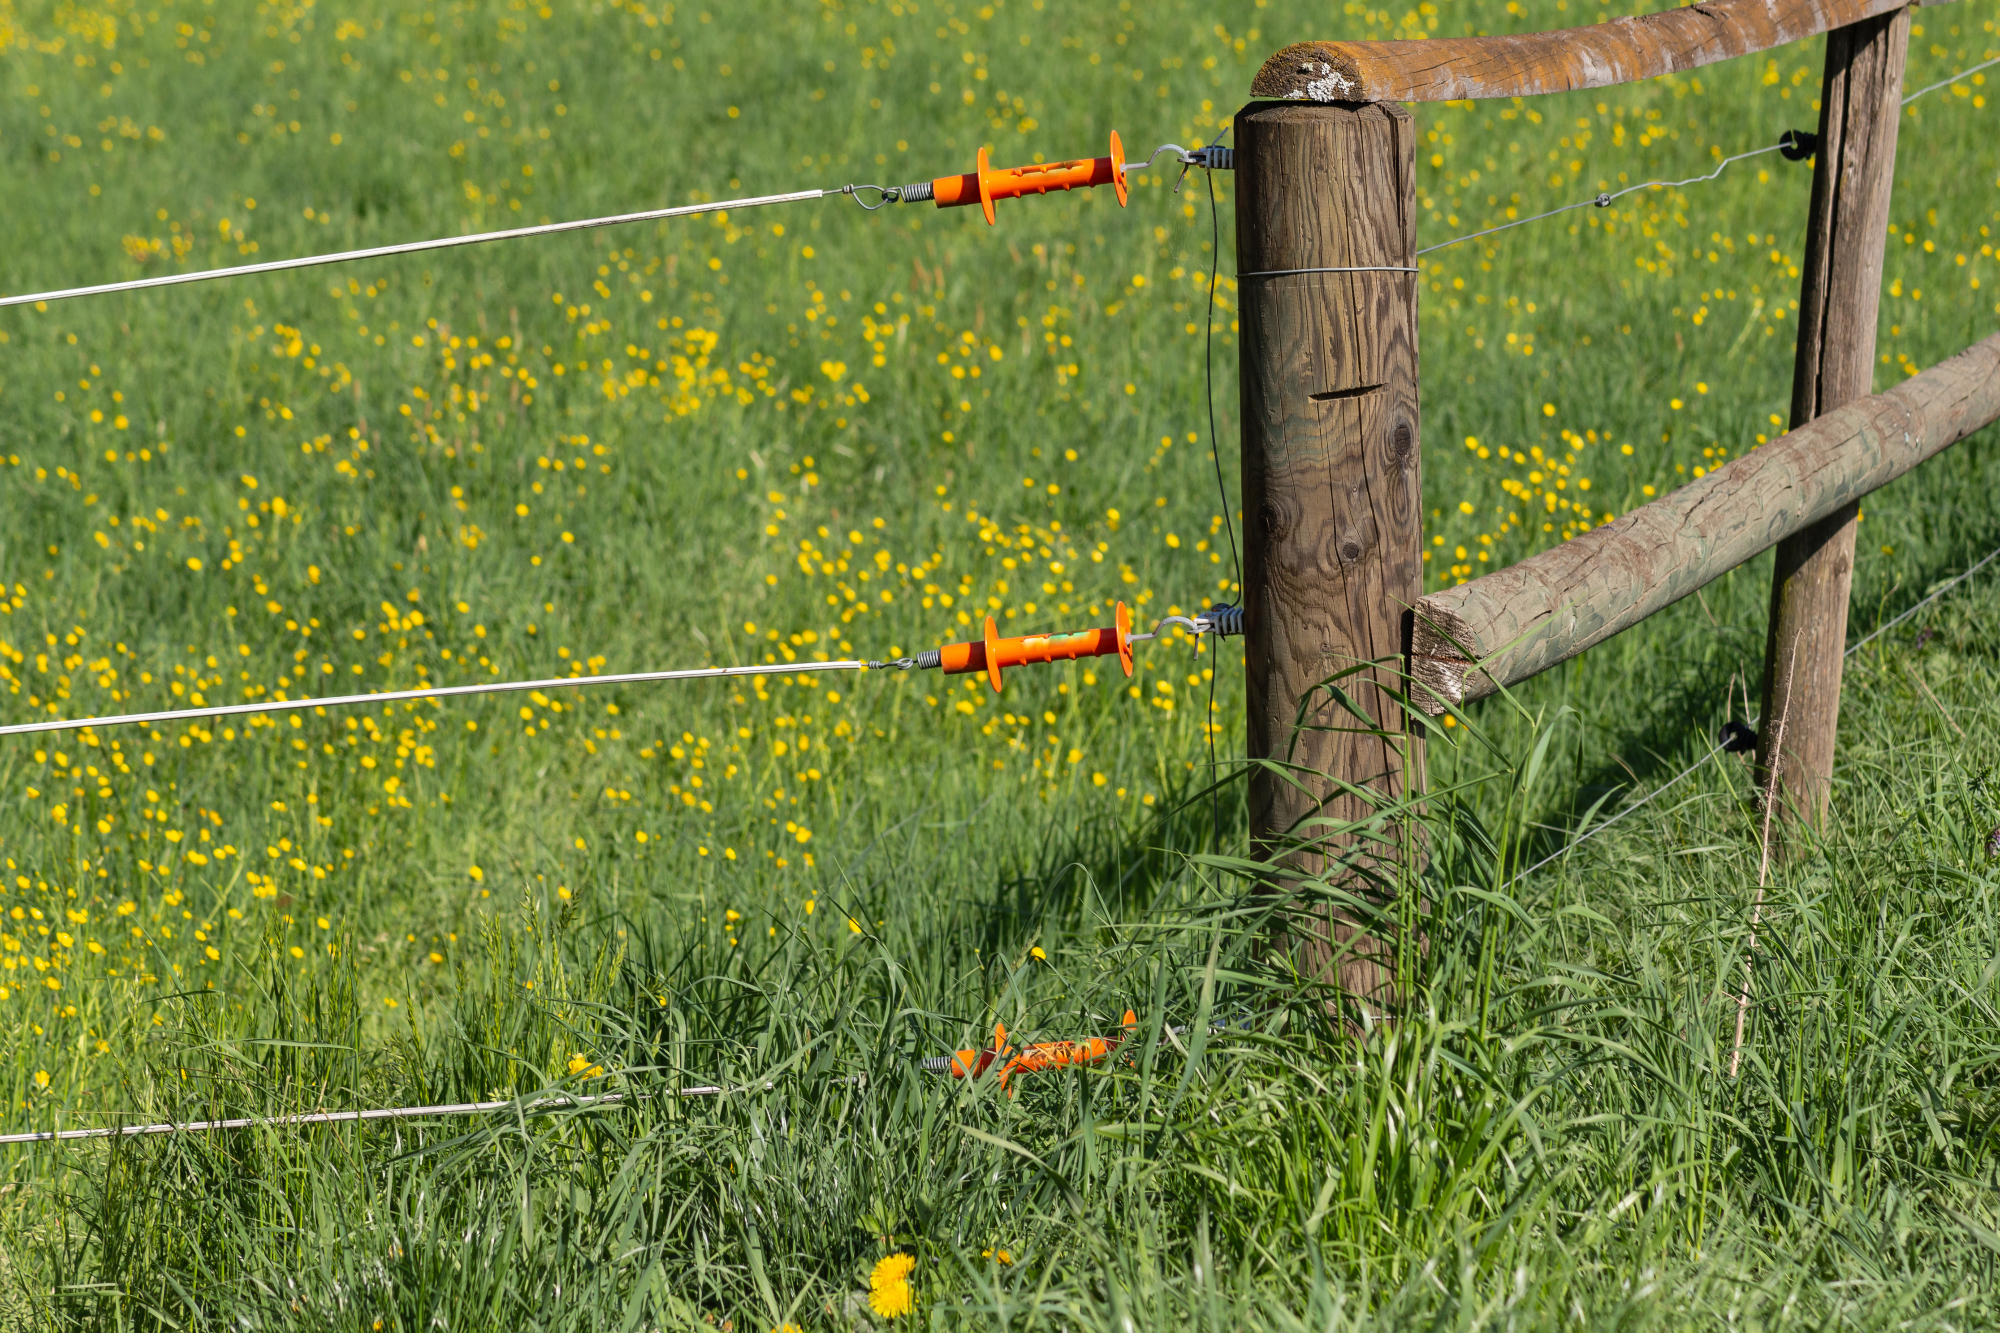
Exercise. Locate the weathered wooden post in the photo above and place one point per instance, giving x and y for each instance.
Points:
(1332, 505)
(1841, 287)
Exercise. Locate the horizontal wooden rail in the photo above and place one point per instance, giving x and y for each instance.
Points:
(1524, 64)
(1496, 630)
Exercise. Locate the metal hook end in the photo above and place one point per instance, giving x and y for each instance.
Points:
(889, 194)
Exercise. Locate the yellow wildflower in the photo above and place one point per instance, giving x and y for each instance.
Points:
(889, 1293)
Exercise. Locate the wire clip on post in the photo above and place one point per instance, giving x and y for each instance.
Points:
(986, 186)
(1032, 1059)
(1797, 145)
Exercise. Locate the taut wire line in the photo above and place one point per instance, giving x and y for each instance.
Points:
(1605, 200)
(1942, 590)
(1970, 69)
(418, 247)
(172, 716)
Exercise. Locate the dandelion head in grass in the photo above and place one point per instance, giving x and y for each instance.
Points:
(889, 1291)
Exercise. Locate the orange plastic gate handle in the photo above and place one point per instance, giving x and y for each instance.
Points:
(994, 652)
(1059, 1054)
(1036, 1058)
(986, 185)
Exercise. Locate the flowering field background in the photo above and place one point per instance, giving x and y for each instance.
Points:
(813, 432)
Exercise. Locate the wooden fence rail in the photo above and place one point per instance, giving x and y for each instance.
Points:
(1507, 626)
(1526, 64)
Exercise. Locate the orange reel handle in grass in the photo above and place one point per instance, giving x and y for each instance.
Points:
(1039, 1057)
(993, 652)
(986, 186)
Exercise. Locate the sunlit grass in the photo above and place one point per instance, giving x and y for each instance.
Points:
(816, 433)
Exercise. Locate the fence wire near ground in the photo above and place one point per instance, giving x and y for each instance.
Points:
(1935, 594)
(1690, 770)
(539, 1107)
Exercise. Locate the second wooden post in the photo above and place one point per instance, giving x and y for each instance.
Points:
(1840, 290)
(1332, 500)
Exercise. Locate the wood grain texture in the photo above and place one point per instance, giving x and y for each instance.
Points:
(1520, 65)
(1528, 617)
(1332, 495)
(1840, 292)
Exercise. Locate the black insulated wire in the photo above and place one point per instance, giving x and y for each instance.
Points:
(1208, 374)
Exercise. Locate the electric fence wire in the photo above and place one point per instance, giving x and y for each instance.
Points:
(797, 196)
(172, 716)
(1941, 83)
(1787, 144)
(418, 247)
(1687, 772)
(1605, 200)
(1935, 594)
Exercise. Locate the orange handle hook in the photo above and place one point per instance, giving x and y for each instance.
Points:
(993, 652)
(986, 185)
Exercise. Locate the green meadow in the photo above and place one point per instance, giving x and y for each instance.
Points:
(811, 432)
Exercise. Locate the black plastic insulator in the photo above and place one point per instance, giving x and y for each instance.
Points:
(1226, 620)
(1797, 145)
(1736, 737)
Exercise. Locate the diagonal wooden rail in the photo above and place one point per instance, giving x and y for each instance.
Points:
(1525, 64)
(1507, 626)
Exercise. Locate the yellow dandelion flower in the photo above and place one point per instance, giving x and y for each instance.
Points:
(889, 1292)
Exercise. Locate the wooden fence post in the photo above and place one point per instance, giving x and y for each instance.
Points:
(1332, 505)
(1840, 291)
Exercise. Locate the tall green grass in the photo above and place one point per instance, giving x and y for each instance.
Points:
(687, 443)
